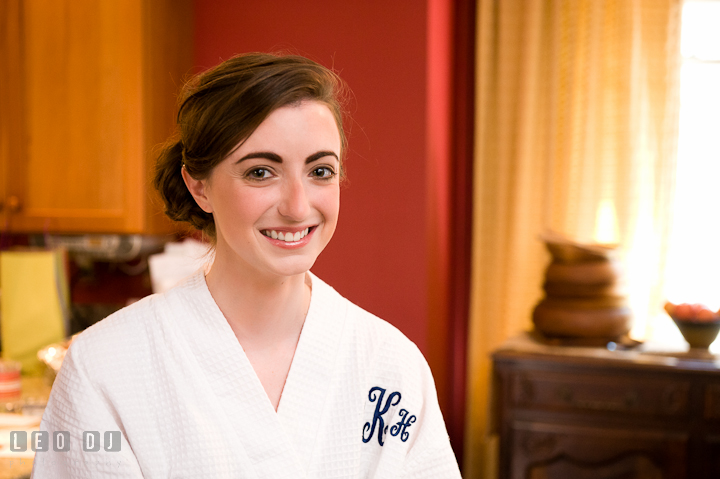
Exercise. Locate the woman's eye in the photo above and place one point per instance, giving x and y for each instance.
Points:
(258, 174)
(323, 172)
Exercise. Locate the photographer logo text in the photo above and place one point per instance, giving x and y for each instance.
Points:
(40, 441)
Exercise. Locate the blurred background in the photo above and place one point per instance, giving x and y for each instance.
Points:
(475, 127)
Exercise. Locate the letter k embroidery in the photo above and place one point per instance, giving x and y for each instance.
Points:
(377, 394)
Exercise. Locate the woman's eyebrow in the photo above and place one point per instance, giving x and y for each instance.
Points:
(261, 154)
(277, 159)
(320, 154)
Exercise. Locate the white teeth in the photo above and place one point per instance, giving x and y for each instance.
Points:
(287, 237)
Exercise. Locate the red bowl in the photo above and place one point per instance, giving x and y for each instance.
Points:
(698, 333)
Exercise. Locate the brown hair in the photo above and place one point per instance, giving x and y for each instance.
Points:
(223, 106)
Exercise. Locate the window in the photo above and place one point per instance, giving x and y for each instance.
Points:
(693, 267)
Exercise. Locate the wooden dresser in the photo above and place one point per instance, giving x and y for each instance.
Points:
(587, 412)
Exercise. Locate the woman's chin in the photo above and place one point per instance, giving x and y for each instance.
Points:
(293, 267)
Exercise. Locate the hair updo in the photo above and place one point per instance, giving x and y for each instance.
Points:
(223, 106)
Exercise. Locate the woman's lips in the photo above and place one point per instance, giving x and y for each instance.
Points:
(289, 239)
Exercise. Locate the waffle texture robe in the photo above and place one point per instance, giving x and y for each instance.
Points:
(168, 375)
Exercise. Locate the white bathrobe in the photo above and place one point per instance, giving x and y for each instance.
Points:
(170, 375)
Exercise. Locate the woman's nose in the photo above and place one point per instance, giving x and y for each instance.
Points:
(294, 203)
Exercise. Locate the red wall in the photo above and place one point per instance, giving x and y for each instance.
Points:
(378, 257)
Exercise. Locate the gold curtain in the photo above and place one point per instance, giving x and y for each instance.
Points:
(576, 106)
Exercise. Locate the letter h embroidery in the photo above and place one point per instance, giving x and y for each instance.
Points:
(404, 423)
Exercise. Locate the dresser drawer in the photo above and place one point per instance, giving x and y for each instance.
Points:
(555, 451)
(590, 391)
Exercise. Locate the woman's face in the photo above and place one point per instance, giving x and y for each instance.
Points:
(275, 199)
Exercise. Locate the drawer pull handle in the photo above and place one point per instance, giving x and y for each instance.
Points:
(631, 399)
(628, 403)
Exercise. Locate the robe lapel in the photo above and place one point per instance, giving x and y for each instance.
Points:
(305, 395)
(233, 383)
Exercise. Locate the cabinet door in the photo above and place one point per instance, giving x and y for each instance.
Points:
(73, 115)
(10, 83)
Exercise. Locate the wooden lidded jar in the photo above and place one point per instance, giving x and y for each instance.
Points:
(584, 292)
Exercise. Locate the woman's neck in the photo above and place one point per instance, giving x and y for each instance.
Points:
(262, 310)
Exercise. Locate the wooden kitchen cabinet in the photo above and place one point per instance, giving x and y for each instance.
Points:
(87, 92)
(570, 412)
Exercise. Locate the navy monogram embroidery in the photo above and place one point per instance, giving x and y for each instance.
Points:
(376, 395)
(404, 423)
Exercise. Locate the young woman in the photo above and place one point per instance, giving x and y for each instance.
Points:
(256, 368)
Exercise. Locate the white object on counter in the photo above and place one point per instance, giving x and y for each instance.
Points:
(177, 262)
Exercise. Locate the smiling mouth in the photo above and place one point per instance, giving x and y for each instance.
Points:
(288, 236)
